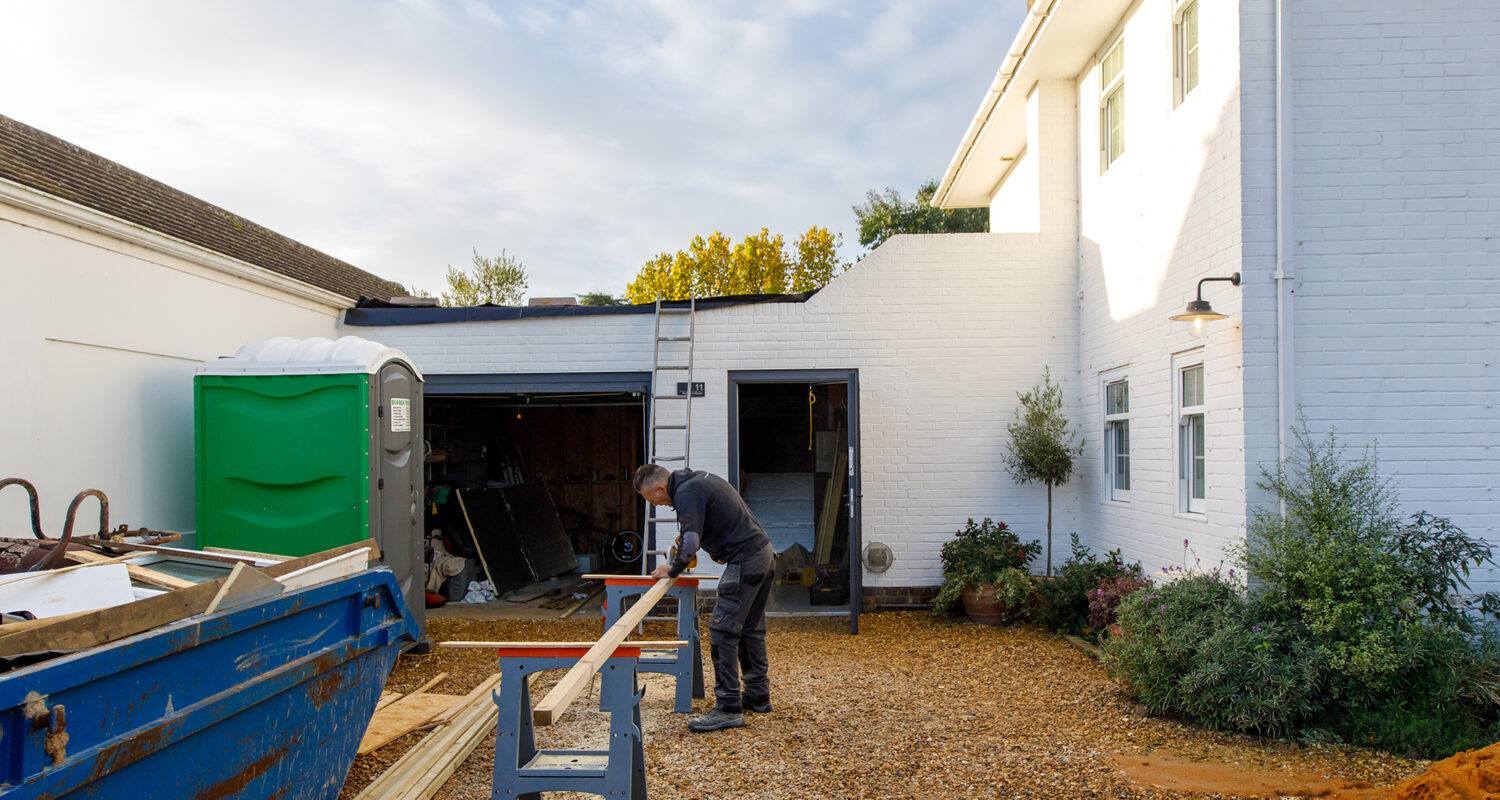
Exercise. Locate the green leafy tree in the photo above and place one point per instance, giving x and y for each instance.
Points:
(715, 266)
(1041, 447)
(500, 280)
(885, 214)
(600, 299)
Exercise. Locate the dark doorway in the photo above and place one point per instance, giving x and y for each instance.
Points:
(794, 457)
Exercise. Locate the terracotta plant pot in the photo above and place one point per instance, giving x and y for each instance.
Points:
(981, 606)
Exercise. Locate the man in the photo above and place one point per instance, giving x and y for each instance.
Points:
(713, 516)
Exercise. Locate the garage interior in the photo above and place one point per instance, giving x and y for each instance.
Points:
(557, 465)
(792, 471)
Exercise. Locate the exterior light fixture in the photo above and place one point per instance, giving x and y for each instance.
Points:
(1199, 311)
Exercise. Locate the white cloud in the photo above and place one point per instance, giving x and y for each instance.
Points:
(581, 138)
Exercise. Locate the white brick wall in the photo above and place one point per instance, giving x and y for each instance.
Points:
(1164, 214)
(944, 330)
(1397, 230)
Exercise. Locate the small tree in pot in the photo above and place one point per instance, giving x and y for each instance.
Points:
(984, 568)
(1041, 446)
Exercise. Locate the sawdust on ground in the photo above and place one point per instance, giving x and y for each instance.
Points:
(912, 707)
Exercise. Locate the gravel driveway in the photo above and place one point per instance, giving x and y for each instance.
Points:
(912, 707)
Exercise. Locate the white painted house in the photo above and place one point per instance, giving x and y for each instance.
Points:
(116, 288)
(1342, 157)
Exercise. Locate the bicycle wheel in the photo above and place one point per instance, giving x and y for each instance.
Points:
(625, 547)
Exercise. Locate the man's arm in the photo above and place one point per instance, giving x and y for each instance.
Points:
(688, 543)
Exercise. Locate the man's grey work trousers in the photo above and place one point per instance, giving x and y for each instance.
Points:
(737, 631)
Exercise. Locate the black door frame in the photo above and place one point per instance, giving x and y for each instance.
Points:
(845, 376)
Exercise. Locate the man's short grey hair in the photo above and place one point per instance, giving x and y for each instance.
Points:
(650, 475)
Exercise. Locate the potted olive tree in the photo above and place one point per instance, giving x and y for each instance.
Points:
(1041, 446)
(984, 569)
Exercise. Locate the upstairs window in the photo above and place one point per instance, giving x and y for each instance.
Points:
(1192, 463)
(1185, 50)
(1112, 104)
(1117, 438)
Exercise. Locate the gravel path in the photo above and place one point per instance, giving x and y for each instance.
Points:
(910, 708)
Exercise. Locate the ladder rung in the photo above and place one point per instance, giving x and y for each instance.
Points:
(668, 427)
(661, 519)
(674, 311)
(669, 397)
(669, 458)
(658, 552)
(674, 366)
(674, 338)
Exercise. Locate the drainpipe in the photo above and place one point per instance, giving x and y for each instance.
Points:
(1286, 401)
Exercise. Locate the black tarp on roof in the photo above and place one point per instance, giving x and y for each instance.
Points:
(375, 313)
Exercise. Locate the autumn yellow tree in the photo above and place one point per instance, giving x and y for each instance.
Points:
(715, 267)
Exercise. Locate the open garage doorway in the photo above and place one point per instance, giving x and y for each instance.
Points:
(543, 464)
(794, 456)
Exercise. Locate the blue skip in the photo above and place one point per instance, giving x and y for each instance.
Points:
(267, 700)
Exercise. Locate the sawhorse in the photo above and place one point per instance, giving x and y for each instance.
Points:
(523, 772)
(686, 664)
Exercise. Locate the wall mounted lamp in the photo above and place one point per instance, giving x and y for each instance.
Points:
(1199, 311)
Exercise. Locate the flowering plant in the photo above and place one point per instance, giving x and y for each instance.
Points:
(977, 555)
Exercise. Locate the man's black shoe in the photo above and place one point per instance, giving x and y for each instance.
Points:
(716, 719)
(763, 707)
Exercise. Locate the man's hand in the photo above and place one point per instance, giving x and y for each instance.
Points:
(661, 571)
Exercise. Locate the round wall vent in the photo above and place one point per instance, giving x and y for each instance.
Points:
(878, 557)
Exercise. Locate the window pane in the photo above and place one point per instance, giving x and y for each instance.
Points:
(1117, 397)
(1190, 48)
(1114, 115)
(1192, 387)
(1195, 424)
(1114, 63)
(1122, 455)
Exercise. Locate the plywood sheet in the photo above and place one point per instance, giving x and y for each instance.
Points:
(402, 717)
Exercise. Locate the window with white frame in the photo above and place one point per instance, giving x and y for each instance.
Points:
(1112, 105)
(1184, 50)
(1192, 463)
(1117, 438)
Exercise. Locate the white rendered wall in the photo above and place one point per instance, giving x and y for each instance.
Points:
(1397, 230)
(1164, 214)
(101, 338)
(1014, 208)
(944, 330)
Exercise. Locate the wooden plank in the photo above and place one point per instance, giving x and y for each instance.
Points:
(828, 521)
(107, 625)
(151, 548)
(686, 576)
(582, 674)
(244, 585)
(386, 698)
(337, 567)
(396, 720)
(244, 554)
(482, 690)
(654, 645)
(139, 574)
(423, 769)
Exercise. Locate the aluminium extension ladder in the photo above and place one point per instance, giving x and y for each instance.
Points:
(679, 427)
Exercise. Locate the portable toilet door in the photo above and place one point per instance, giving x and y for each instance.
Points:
(397, 487)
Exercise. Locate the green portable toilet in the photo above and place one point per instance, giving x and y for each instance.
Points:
(304, 445)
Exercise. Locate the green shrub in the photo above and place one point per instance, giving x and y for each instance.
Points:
(1361, 625)
(1195, 648)
(1063, 601)
(977, 555)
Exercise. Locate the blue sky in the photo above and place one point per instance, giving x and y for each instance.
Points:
(583, 138)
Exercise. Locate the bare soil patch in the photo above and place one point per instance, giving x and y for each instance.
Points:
(912, 707)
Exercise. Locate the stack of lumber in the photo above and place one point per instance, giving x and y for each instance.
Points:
(429, 764)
